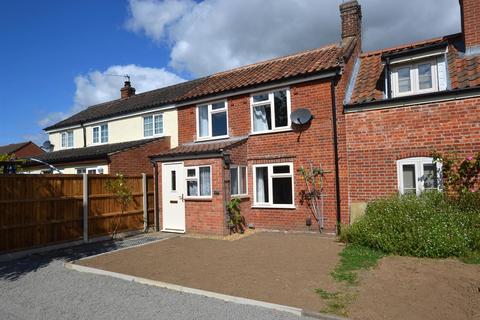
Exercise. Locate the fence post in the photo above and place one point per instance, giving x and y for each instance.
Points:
(145, 202)
(85, 207)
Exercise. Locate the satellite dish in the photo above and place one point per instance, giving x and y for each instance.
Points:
(47, 146)
(301, 116)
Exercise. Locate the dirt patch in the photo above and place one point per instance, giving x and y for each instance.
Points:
(411, 288)
(275, 267)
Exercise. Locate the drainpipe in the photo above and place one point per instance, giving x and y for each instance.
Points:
(84, 134)
(389, 78)
(156, 209)
(335, 148)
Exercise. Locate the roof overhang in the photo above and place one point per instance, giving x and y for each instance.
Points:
(415, 53)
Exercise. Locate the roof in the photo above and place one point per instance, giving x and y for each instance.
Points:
(198, 148)
(297, 65)
(464, 71)
(12, 148)
(91, 153)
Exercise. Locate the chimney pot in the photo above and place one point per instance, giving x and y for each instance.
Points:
(127, 91)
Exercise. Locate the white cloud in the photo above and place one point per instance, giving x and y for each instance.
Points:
(214, 35)
(100, 86)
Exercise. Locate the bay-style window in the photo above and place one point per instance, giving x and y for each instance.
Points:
(238, 180)
(270, 111)
(416, 175)
(273, 185)
(100, 134)
(199, 181)
(67, 139)
(212, 120)
(153, 125)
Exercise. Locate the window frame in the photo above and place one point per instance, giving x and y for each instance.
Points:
(271, 176)
(238, 168)
(67, 133)
(87, 169)
(418, 163)
(210, 111)
(271, 100)
(197, 178)
(155, 115)
(99, 127)
(414, 77)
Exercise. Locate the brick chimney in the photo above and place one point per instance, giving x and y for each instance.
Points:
(351, 15)
(470, 10)
(127, 91)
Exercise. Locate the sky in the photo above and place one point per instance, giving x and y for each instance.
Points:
(58, 57)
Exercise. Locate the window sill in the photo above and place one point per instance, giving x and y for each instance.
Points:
(154, 136)
(211, 139)
(270, 131)
(290, 207)
(240, 196)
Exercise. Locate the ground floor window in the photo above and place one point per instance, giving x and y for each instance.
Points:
(199, 181)
(273, 185)
(416, 175)
(238, 180)
(97, 170)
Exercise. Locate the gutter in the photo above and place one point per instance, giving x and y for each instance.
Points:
(335, 148)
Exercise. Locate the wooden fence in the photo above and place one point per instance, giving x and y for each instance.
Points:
(40, 210)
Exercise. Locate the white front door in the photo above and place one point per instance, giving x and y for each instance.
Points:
(173, 203)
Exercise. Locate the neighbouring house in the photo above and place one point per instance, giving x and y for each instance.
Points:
(376, 118)
(21, 150)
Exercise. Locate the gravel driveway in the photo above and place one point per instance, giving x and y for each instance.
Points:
(39, 287)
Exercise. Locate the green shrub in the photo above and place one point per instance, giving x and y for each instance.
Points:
(426, 226)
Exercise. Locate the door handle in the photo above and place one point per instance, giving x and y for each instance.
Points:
(181, 197)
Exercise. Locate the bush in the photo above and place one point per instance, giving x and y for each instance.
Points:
(426, 226)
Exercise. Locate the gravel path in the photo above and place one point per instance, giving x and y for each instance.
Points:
(39, 287)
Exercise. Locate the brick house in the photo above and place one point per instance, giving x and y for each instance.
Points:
(22, 149)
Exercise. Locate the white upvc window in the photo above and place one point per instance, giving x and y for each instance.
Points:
(270, 111)
(100, 134)
(67, 139)
(198, 181)
(153, 125)
(416, 175)
(238, 181)
(94, 170)
(212, 121)
(418, 77)
(273, 185)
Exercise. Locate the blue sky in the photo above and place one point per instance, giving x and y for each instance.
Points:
(55, 55)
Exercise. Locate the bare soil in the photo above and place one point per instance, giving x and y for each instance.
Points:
(411, 288)
(281, 268)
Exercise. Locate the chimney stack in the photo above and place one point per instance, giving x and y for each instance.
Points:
(127, 91)
(470, 10)
(351, 15)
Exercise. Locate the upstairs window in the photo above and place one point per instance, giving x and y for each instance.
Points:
(212, 121)
(416, 175)
(270, 111)
(421, 76)
(100, 134)
(153, 125)
(67, 139)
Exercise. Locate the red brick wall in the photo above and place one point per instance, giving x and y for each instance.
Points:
(29, 150)
(136, 161)
(471, 22)
(377, 139)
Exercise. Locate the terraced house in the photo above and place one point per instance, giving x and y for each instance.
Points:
(371, 122)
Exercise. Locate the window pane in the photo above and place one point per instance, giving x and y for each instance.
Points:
(70, 139)
(404, 84)
(430, 176)
(174, 180)
(260, 97)
(234, 181)
(190, 172)
(262, 118)
(148, 126)
(96, 135)
(192, 189)
(203, 121)
(205, 185)
(64, 140)
(409, 183)
(104, 133)
(218, 105)
(243, 180)
(281, 169)
(282, 191)
(425, 76)
(92, 171)
(261, 184)
(281, 112)
(159, 124)
(219, 124)
(80, 171)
